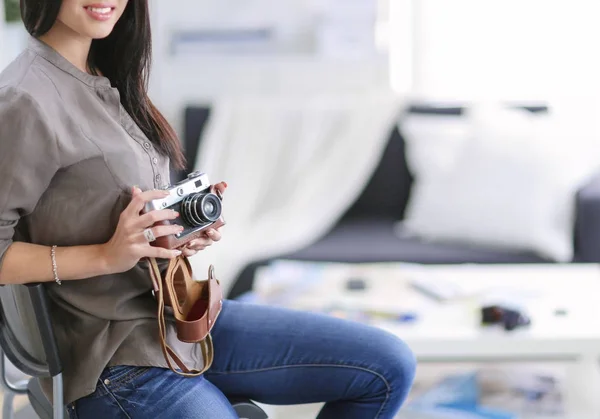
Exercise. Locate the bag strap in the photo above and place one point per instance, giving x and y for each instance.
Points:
(206, 345)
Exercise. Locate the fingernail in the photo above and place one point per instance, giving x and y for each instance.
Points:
(211, 232)
(176, 252)
(192, 243)
(225, 184)
(166, 193)
(175, 213)
(180, 228)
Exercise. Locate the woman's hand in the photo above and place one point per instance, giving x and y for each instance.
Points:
(128, 244)
(212, 235)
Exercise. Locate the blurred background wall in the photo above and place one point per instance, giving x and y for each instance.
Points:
(296, 47)
(532, 50)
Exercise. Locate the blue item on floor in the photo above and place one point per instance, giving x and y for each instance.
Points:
(456, 396)
(457, 391)
(449, 413)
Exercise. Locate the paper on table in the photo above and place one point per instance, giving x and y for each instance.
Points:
(323, 286)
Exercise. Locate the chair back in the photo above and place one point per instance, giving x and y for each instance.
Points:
(20, 336)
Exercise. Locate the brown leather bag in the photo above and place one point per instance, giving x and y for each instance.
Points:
(196, 306)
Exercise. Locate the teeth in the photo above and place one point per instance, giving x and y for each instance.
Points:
(101, 10)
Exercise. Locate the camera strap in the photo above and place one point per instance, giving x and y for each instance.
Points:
(196, 306)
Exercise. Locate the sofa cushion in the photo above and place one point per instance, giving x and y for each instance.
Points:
(388, 190)
(361, 240)
(498, 177)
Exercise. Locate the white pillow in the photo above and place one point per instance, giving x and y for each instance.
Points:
(510, 180)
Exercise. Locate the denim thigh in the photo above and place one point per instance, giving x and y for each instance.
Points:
(144, 392)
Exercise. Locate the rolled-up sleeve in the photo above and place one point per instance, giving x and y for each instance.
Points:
(28, 159)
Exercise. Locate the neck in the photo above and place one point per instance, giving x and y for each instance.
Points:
(71, 45)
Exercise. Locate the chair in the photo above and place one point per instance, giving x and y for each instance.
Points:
(27, 340)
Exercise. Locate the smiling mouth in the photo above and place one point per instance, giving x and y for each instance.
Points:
(100, 12)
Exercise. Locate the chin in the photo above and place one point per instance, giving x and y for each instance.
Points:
(99, 33)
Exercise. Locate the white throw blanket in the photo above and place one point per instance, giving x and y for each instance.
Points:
(293, 166)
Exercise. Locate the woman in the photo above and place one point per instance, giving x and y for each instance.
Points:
(77, 132)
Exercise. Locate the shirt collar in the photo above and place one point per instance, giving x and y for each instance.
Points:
(49, 54)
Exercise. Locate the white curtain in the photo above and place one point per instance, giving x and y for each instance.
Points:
(293, 166)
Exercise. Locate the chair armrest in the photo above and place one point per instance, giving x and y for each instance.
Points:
(587, 223)
(41, 306)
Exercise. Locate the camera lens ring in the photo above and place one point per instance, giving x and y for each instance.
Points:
(212, 199)
(187, 211)
(194, 209)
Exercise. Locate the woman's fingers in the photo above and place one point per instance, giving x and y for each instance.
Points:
(221, 186)
(140, 199)
(153, 217)
(136, 224)
(161, 253)
(188, 252)
(163, 230)
(213, 234)
(199, 244)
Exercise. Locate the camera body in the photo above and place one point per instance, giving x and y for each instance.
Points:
(198, 204)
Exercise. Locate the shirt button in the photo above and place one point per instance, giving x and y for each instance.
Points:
(107, 381)
(154, 160)
(157, 178)
(147, 145)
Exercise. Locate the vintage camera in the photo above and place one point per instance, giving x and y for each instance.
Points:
(198, 204)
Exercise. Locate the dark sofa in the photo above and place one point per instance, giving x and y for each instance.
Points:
(365, 233)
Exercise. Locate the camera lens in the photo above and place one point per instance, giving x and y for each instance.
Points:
(209, 207)
(201, 208)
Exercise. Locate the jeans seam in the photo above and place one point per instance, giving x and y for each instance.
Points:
(375, 373)
(109, 392)
(128, 377)
(387, 396)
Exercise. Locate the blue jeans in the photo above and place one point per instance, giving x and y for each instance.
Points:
(273, 356)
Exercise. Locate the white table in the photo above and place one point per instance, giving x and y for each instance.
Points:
(450, 331)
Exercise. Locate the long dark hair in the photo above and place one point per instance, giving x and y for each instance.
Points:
(124, 58)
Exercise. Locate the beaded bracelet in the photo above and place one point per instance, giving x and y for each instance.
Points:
(54, 268)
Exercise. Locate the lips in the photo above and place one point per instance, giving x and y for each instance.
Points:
(100, 12)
